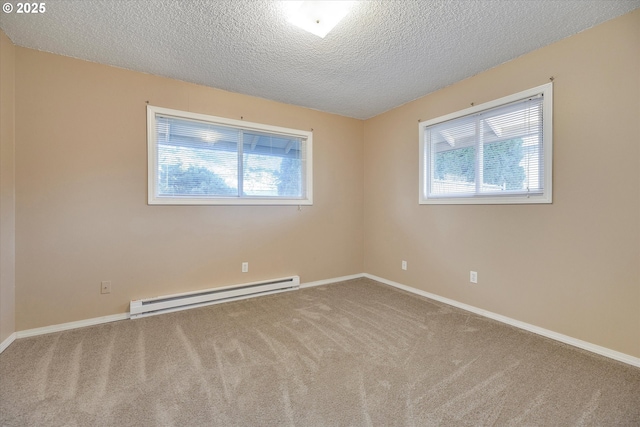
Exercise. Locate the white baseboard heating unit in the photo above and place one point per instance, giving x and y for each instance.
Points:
(168, 303)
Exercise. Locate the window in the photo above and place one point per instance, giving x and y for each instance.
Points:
(195, 159)
(497, 152)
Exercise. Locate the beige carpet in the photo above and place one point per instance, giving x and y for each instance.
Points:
(356, 353)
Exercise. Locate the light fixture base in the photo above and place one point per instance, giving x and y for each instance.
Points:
(317, 17)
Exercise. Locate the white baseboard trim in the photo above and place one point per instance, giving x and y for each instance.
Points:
(603, 351)
(122, 316)
(71, 325)
(333, 280)
(7, 342)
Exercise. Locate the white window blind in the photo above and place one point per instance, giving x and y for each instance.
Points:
(498, 152)
(196, 159)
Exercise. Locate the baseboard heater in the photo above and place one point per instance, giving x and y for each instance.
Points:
(168, 303)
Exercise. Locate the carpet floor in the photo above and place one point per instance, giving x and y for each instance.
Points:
(356, 353)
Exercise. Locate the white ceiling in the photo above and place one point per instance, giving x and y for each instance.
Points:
(383, 54)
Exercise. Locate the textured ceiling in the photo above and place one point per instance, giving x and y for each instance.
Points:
(383, 54)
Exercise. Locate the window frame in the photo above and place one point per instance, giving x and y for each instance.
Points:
(152, 173)
(546, 91)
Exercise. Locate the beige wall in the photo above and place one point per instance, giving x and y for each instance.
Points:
(572, 266)
(7, 188)
(81, 180)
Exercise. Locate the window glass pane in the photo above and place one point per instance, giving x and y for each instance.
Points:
(196, 159)
(272, 166)
(503, 166)
(511, 147)
(291, 173)
(454, 169)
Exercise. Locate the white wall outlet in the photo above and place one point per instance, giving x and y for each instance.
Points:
(245, 267)
(473, 277)
(404, 265)
(105, 287)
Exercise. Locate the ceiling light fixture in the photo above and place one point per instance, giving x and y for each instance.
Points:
(317, 17)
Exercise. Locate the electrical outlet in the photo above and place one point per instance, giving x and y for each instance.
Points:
(245, 267)
(105, 287)
(473, 277)
(404, 265)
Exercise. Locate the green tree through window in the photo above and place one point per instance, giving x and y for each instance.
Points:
(502, 164)
(289, 182)
(459, 163)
